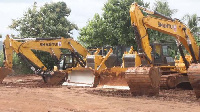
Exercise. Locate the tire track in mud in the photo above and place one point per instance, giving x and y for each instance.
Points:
(186, 96)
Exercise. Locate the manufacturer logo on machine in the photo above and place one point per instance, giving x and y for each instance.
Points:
(163, 25)
(59, 44)
(51, 44)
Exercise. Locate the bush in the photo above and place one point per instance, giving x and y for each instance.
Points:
(19, 66)
(1, 58)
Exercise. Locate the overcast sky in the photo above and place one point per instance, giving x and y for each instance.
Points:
(81, 10)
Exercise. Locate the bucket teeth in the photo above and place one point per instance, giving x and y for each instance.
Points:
(143, 80)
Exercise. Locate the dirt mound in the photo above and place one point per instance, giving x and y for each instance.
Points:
(28, 81)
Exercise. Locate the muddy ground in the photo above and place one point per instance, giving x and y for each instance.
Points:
(29, 94)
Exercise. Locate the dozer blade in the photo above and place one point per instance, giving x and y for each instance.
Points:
(56, 79)
(143, 80)
(4, 72)
(82, 77)
(194, 78)
(113, 78)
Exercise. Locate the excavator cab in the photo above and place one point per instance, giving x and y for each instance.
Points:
(66, 61)
(161, 54)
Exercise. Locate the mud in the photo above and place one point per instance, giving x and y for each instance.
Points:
(29, 93)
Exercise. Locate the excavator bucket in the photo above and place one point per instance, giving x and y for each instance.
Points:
(194, 78)
(143, 80)
(113, 78)
(56, 79)
(82, 77)
(4, 72)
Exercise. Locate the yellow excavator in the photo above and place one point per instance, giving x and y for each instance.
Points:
(24, 47)
(144, 78)
(77, 66)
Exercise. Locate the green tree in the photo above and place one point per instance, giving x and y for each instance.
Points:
(19, 66)
(192, 23)
(49, 21)
(1, 58)
(94, 33)
(1, 45)
(113, 27)
(162, 7)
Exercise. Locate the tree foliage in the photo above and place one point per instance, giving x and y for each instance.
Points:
(94, 33)
(162, 7)
(113, 27)
(19, 66)
(192, 23)
(1, 58)
(49, 21)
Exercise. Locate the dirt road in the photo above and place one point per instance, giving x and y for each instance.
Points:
(27, 93)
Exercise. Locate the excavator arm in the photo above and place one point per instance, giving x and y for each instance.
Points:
(24, 47)
(144, 48)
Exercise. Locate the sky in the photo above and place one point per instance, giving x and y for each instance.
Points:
(81, 10)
